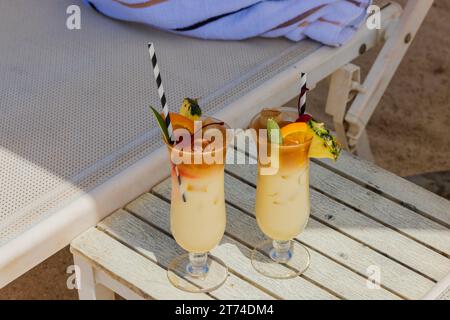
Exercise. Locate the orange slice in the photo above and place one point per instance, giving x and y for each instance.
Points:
(292, 128)
(294, 133)
(179, 121)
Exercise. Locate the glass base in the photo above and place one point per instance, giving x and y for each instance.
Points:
(204, 277)
(290, 259)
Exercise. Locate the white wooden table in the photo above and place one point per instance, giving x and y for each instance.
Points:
(365, 223)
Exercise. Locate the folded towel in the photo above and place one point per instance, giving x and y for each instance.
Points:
(331, 22)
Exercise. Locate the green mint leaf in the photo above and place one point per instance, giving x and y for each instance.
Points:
(161, 124)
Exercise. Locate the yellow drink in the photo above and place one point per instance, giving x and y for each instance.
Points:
(199, 223)
(197, 211)
(282, 202)
(282, 198)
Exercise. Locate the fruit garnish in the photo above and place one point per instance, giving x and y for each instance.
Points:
(304, 118)
(294, 133)
(293, 128)
(191, 109)
(323, 144)
(273, 131)
(180, 121)
(161, 124)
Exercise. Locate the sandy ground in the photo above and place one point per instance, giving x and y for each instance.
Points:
(408, 134)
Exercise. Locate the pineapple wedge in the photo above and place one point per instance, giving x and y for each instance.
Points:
(191, 109)
(323, 145)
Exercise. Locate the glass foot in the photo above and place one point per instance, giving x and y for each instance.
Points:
(197, 273)
(280, 259)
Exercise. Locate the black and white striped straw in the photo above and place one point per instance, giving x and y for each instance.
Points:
(302, 97)
(165, 107)
(162, 95)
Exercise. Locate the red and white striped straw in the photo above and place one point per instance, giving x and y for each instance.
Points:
(165, 107)
(302, 97)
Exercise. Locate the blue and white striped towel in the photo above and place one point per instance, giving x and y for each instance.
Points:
(331, 22)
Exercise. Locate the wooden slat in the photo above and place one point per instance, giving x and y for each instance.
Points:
(350, 222)
(386, 240)
(323, 271)
(346, 251)
(387, 184)
(160, 248)
(233, 253)
(388, 212)
(392, 186)
(128, 267)
(360, 258)
(382, 209)
(441, 291)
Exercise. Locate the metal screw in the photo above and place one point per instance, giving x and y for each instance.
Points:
(362, 49)
(408, 38)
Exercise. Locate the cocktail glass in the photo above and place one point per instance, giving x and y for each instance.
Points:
(282, 201)
(197, 214)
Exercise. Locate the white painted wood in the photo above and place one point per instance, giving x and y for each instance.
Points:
(363, 149)
(381, 209)
(373, 204)
(440, 291)
(392, 186)
(385, 66)
(85, 279)
(128, 267)
(242, 227)
(234, 254)
(341, 84)
(161, 249)
(115, 286)
(354, 255)
(88, 288)
(351, 223)
(378, 204)
(377, 236)
(323, 271)
(360, 258)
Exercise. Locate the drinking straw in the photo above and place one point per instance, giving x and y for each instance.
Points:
(302, 97)
(165, 107)
(162, 95)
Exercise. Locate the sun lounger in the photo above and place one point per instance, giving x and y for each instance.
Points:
(77, 140)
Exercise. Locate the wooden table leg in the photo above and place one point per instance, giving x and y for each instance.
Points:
(88, 288)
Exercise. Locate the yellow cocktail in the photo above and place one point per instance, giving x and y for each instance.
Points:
(282, 197)
(198, 223)
(282, 202)
(197, 212)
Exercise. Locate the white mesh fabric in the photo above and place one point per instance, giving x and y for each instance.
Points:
(74, 103)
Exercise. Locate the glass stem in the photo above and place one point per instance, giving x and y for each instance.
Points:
(198, 264)
(281, 251)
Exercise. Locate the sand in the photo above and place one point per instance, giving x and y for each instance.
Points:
(408, 133)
